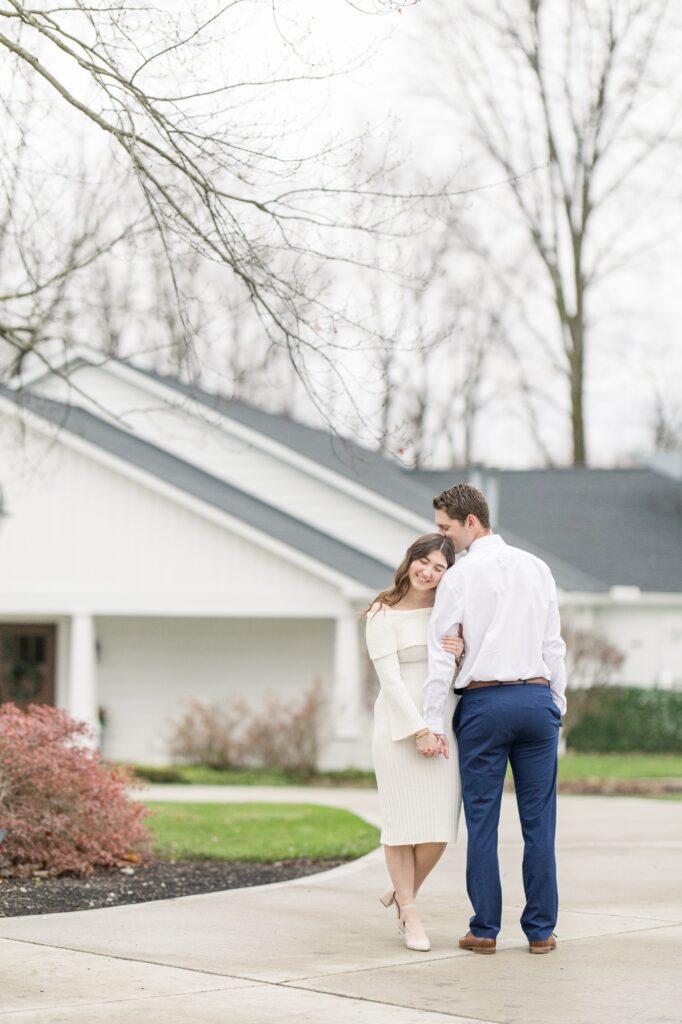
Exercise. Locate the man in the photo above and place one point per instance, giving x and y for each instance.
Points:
(512, 682)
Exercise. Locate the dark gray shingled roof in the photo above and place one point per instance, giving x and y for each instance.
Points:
(368, 468)
(172, 470)
(412, 490)
(617, 526)
(595, 528)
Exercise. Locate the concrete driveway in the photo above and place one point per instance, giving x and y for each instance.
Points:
(323, 949)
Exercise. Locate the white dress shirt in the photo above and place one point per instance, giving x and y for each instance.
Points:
(505, 600)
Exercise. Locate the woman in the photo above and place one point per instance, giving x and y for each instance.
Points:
(419, 796)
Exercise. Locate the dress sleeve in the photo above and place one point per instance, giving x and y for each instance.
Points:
(379, 634)
(403, 717)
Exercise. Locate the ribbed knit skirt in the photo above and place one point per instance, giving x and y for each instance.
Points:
(419, 797)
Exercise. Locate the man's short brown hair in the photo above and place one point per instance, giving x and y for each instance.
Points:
(463, 500)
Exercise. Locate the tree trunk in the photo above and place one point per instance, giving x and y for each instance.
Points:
(577, 378)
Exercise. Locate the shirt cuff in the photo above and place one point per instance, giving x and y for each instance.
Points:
(560, 703)
(436, 725)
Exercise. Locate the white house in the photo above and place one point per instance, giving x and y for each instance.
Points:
(158, 543)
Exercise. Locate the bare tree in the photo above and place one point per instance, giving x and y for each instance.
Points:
(433, 370)
(571, 101)
(592, 659)
(43, 253)
(451, 384)
(206, 171)
(666, 423)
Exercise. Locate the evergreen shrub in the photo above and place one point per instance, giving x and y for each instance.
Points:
(617, 719)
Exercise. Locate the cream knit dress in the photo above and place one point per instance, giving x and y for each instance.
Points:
(419, 797)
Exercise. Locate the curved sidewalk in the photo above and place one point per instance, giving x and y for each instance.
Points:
(322, 949)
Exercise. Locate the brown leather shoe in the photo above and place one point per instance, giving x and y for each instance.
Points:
(543, 946)
(476, 944)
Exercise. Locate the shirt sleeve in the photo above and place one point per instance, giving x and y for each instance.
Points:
(554, 650)
(403, 716)
(446, 618)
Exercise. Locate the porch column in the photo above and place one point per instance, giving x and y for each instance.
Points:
(82, 700)
(347, 681)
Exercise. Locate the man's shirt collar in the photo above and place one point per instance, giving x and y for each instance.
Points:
(481, 543)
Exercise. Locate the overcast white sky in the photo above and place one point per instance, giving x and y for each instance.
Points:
(642, 339)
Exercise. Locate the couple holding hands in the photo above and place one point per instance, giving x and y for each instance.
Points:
(491, 621)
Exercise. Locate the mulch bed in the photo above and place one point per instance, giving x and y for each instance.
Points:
(612, 787)
(155, 880)
(620, 787)
(162, 880)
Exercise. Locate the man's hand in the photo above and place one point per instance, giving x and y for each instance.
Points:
(443, 745)
(427, 745)
(453, 645)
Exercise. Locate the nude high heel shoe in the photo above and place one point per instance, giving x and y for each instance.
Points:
(420, 945)
(388, 899)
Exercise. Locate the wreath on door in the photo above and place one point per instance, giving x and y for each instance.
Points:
(23, 680)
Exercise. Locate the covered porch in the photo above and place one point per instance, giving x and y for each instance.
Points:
(129, 677)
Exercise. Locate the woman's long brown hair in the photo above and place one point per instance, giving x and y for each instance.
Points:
(401, 583)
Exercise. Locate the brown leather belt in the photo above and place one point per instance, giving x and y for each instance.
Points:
(478, 683)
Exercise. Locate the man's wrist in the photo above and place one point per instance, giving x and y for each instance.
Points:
(437, 728)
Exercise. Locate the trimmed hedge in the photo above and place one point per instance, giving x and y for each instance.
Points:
(617, 719)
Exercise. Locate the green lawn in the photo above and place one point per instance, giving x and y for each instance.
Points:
(571, 766)
(258, 832)
(620, 766)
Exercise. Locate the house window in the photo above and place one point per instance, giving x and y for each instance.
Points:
(27, 658)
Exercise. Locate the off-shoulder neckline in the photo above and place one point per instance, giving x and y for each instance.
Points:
(387, 608)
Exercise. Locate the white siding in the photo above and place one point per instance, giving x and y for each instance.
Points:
(190, 431)
(80, 535)
(651, 640)
(149, 668)
(647, 633)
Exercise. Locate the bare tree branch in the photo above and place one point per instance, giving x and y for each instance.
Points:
(204, 178)
(579, 78)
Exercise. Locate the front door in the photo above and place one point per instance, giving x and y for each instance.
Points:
(27, 658)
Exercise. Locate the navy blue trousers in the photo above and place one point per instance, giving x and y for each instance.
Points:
(516, 724)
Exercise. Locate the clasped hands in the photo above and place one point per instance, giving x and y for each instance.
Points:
(433, 744)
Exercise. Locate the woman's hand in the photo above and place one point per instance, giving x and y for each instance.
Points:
(428, 745)
(453, 645)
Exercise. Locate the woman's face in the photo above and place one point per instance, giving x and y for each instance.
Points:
(425, 573)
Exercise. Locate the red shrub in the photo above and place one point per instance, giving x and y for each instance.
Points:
(63, 808)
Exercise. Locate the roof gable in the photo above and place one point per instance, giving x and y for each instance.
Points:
(216, 493)
(369, 475)
(371, 469)
(595, 528)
